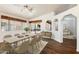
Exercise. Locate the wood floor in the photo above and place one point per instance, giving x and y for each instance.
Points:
(53, 47)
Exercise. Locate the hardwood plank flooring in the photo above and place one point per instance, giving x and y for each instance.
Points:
(54, 47)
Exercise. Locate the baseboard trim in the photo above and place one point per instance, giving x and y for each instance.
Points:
(77, 50)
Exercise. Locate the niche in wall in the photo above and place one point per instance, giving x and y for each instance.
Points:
(48, 25)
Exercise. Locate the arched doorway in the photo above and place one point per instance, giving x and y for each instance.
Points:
(69, 23)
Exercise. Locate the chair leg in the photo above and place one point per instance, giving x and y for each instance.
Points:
(33, 49)
(40, 42)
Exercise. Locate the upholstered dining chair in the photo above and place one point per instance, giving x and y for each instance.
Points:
(28, 47)
(7, 36)
(16, 34)
(23, 48)
(4, 46)
(46, 35)
(42, 33)
(49, 34)
(19, 35)
(34, 43)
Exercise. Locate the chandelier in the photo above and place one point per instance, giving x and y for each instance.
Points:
(28, 8)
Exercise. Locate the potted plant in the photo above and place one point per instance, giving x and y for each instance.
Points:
(26, 29)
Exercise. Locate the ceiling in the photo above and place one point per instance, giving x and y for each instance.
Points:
(38, 9)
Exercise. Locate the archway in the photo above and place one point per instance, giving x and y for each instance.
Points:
(69, 23)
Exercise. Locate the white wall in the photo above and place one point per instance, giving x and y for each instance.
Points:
(74, 11)
(56, 35)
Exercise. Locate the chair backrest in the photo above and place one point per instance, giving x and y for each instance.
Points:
(48, 34)
(7, 36)
(35, 40)
(16, 34)
(23, 48)
(4, 46)
(23, 33)
(43, 33)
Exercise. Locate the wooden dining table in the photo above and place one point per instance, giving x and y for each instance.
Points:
(15, 40)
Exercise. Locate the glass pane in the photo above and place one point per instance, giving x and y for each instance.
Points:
(4, 25)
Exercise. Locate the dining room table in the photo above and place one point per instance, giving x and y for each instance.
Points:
(15, 40)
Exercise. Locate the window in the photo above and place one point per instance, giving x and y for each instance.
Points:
(4, 25)
(35, 26)
(11, 25)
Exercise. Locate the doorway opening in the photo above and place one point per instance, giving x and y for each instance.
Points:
(69, 23)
